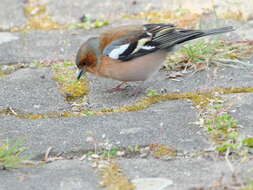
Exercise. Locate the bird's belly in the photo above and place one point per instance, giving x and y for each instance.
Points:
(138, 69)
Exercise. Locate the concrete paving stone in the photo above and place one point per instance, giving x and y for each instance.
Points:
(58, 175)
(242, 111)
(31, 90)
(42, 45)
(65, 11)
(185, 173)
(11, 13)
(167, 123)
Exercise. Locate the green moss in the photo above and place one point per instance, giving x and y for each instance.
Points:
(200, 99)
(163, 151)
(248, 141)
(71, 88)
(33, 116)
(112, 178)
(2, 73)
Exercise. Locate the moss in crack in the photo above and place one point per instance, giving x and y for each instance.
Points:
(33, 116)
(112, 177)
(163, 151)
(201, 99)
(37, 18)
(71, 88)
(1, 73)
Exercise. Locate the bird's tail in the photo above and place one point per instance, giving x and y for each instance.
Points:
(170, 37)
(208, 32)
(217, 30)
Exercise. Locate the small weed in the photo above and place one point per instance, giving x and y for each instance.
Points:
(133, 148)
(205, 52)
(90, 153)
(151, 92)
(111, 152)
(10, 154)
(88, 23)
(222, 129)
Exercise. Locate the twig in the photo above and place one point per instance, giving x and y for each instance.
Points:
(12, 111)
(235, 61)
(47, 153)
(231, 167)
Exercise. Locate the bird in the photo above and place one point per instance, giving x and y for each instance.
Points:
(134, 52)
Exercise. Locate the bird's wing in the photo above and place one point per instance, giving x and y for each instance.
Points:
(145, 40)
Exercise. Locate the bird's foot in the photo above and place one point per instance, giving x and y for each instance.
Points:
(117, 88)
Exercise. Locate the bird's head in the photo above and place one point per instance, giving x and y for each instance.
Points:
(86, 56)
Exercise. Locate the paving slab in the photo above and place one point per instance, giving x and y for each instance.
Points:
(58, 175)
(31, 90)
(167, 123)
(11, 14)
(42, 45)
(65, 11)
(185, 173)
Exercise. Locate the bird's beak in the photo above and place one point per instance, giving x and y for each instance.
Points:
(79, 73)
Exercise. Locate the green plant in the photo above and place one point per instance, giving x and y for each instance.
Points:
(112, 152)
(151, 92)
(88, 23)
(10, 154)
(210, 52)
(222, 124)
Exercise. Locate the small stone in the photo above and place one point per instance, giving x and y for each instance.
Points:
(120, 153)
(36, 106)
(83, 157)
(95, 156)
(90, 139)
(144, 155)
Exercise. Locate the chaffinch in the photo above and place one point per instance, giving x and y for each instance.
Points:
(134, 52)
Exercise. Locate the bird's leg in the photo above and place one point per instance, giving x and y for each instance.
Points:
(117, 88)
(139, 89)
